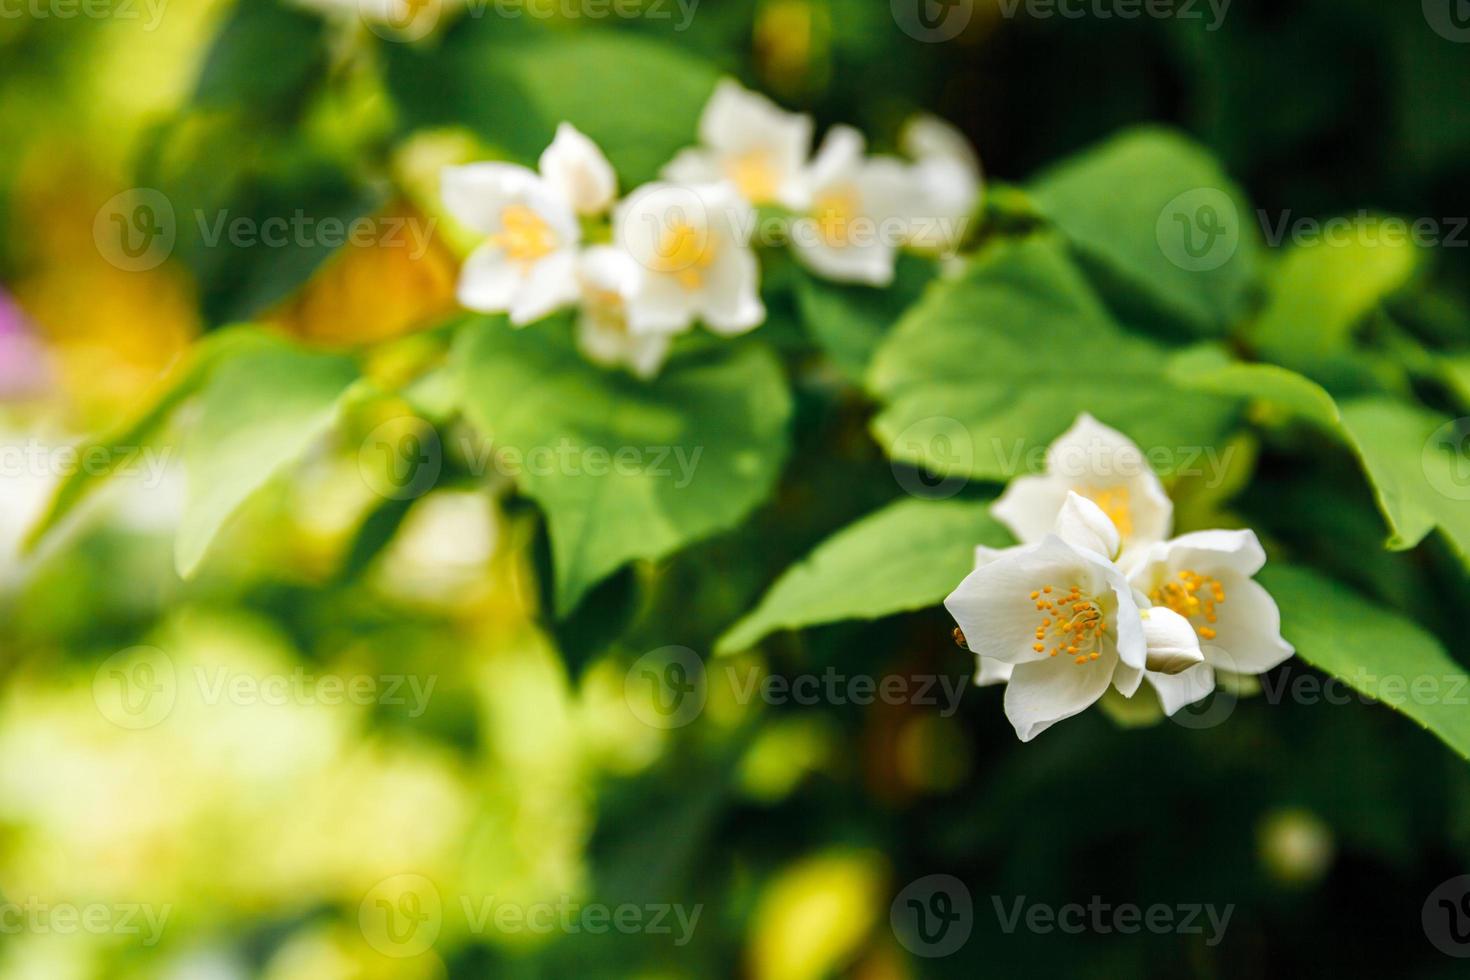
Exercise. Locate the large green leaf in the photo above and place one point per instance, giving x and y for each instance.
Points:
(700, 446)
(1285, 392)
(1321, 291)
(639, 99)
(145, 429)
(1373, 649)
(259, 411)
(996, 363)
(1419, 467)
(1155, 211)
(909, 555)
(257, 32)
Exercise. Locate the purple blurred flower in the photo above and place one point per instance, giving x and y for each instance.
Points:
(22, 362)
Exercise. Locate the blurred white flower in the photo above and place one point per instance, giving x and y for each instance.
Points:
(948, 178)
(692, 244)
(610, 277)
(860, 210)
(751, 142)
(527, 266)
(575, 167)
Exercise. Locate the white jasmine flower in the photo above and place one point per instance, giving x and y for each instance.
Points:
(1102, 465)
(609, 277)
(528, 263)
(948, 176)
(861, 210)
(1061, 619)
(1170, 644)
(692, 243)
(575, 167)
(1207, 578)
(751, 142)
(527, 266)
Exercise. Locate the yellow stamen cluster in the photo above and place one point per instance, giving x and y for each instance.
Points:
(685, 252)
(835, 211)
(1192, 595)
(525, 237)
(754, 174)
(1073, 622)
(1112, 501)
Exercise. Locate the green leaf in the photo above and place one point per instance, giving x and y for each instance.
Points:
(1373, 649)
(1156, 212)
(909, 555)
(639, 99)
(1419, 467)
(700, 446)
(1318, 293)
(1285, 392)
(259, 411)
(143, 430)
(850, 321)
(256, 33)
(1001, 360)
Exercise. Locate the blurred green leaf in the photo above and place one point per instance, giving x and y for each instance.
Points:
(263, 59)
(143, 430)
(1320, 291)
(638, 98)
(1373, 649)
(850, 321)
(1211, 369)
(1156, 211)
(1418, 464)
(1003, 358)
(909, 555)
(675, 460)
(259, 411)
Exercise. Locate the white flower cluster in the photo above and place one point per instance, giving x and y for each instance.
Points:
(1098, 594)
(681, 248)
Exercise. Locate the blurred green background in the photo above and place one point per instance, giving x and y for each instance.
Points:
(509, 764)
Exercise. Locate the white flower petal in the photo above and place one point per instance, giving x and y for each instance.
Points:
(1248, 629)
(1173, 646)
(477, 193)
(1082, 524)
(761, 147)
(1042, 693)
(693, 166)
(871, 264)
(730, 301)
(1177, 690)
(550, 285)
(990, 672)
(1106, 466)
(1236, 551)
(995, 609)
(488, 282)
(1029, 506)
(840, 158)
(574, 167)
(926, 137)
